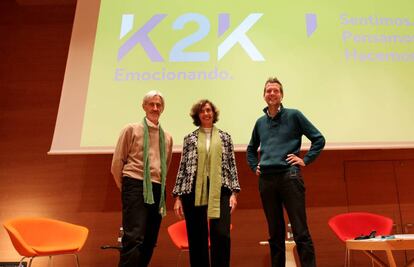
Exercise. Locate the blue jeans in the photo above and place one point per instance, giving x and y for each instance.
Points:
(286, 189)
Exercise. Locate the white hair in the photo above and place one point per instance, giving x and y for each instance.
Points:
(151, 94)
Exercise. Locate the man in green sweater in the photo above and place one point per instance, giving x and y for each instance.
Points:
(278, 133)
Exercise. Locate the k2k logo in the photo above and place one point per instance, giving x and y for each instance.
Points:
(177, 53)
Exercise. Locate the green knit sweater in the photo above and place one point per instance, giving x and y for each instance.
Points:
(279, 136)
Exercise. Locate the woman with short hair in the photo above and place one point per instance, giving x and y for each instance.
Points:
(206, 188)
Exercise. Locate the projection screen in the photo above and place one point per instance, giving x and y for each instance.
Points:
(347, 65)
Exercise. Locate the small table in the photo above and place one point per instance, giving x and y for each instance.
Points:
(290, 253)
(400, 242)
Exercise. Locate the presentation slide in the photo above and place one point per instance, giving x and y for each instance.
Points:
(347, 65)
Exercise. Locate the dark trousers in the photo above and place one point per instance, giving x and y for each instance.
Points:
(141, 223)
(286, 189)
(198, 232)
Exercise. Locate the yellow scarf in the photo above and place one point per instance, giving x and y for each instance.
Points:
(209, 170)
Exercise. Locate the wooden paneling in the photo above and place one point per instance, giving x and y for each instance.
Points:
(404, 172)
(372, 184)
(332, 191)
(79, 188)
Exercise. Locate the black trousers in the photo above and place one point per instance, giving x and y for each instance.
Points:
(286, 189)
(198, 232)
(141, 223)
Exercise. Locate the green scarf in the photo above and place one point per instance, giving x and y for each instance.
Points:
(148, 195)
(209, 167)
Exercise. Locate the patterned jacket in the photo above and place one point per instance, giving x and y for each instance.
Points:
(187, 171)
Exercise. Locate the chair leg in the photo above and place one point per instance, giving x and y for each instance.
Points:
(21, 262)
(346, 257)
(77, 260)
(349, 258)
(372, 261)
(50, 263)
(30, 262)
(179, 258)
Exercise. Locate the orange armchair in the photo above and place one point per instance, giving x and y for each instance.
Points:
(178, 234)
(350, 225)
(36, 237)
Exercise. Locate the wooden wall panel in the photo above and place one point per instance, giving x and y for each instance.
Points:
(79, 188)
(330, 252)
(404, 170)
(371, 183)
(324, 180)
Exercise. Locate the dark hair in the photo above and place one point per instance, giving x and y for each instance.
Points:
(273, 80)
(196, 109)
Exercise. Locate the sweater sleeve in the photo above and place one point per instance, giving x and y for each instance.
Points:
(177, 190)
(252, 153)
(315, 136)
(120, 156)
(234, 180)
